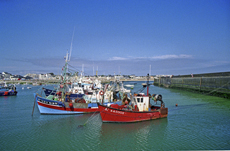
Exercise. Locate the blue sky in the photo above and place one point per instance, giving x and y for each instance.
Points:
(115, 36)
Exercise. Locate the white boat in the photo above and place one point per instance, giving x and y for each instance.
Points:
(129, 85)
(144, 84)
(35, 83)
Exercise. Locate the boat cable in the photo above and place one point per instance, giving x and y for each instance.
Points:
(38, 89)
(43, 88)
(140, 90)
(34, 104)
(76, 69)
(89, 119)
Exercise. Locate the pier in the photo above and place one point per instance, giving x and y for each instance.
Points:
(217, 84)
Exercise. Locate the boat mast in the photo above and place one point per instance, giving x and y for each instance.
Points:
(67, 59)
(64, 74)
(147, 84)
(82, 70)
(150, 70)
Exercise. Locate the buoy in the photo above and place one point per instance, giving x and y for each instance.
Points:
(101, 92)
(176, 104)
(71, 105)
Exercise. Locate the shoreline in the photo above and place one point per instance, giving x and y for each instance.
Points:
(42, 82)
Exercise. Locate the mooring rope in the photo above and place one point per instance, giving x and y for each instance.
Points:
(140, 90)
(38, 89)
(89, 119)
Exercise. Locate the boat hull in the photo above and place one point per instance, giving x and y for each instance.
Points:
(8, 93)
(46, 106)
(109, 114)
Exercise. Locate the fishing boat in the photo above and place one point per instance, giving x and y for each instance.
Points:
(8, 90)
(61, 102)
(137, 109)
(78, 89)
(52, 105)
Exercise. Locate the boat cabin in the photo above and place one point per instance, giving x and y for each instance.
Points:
(142, 102)
(76, 89)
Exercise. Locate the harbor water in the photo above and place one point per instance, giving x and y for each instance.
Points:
(199, 122)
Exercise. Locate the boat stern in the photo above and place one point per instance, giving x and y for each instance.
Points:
(164, 112)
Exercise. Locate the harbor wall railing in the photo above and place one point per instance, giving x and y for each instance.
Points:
(219, 86)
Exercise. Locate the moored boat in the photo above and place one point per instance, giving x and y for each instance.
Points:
(61, 102)
(8, 93)
(53, 106)
(139, 110)
(67, 101)
(8, 90)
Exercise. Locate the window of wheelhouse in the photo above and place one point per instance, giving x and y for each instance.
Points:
(140, 100)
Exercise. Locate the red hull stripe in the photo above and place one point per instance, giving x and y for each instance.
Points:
(56, 107)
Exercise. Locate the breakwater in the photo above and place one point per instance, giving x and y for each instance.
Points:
(212, 85)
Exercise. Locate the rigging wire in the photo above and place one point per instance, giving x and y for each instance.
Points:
(71, 46)
(78, 69)
(89, 119)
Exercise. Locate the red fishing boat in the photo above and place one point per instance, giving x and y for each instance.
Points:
(139, 110)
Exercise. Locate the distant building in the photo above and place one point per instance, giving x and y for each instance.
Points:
(34, 76)
(6, 75)
(118, 77)
(48, 76)
(16, 77)
(42, 77)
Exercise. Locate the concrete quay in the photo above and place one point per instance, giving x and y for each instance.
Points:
(209, 84)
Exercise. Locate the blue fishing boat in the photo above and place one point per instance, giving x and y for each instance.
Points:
(52, 105)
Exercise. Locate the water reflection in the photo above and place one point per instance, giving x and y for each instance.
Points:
(132, 134)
